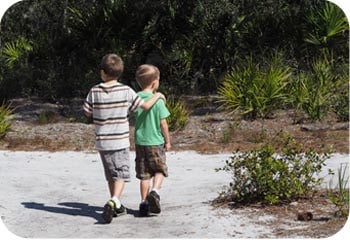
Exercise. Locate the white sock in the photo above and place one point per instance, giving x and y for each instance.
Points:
(117, 201)
(156, 190)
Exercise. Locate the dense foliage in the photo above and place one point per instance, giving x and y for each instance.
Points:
(52, 49)
(179, 114)
(261, 175)
(255, 90)
(5, 119)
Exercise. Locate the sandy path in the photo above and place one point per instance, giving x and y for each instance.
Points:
(60, 195)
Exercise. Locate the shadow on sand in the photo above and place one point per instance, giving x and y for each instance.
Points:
(69, 208)
(75, 209)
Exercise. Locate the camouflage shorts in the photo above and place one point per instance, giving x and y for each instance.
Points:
(149, 161)
(116, 164)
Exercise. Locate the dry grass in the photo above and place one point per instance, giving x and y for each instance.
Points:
(208, 130)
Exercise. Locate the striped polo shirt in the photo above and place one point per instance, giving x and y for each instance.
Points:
(110, 106)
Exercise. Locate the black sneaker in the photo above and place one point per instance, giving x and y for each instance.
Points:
(119, 211)
(108, 211)
(153, 199)
(144, 209)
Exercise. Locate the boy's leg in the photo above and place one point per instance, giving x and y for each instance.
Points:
(142, 173)
(142, 170)
(116, 166)
(116, 188)
(144, 188)
(157, 181)
(157, 159)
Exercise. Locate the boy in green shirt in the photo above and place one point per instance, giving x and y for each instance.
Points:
(152, 139)
(109, 104)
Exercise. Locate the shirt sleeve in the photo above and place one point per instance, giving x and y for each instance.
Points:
(88, 103)
(163, 110)
(135, 101)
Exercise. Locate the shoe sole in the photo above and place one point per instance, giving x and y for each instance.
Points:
(121, 214)
(108, 213)
(154, 205)
(143, 214)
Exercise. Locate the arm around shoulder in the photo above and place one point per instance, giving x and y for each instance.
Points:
(150, 102)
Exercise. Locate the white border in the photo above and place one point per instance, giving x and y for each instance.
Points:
(342, 234)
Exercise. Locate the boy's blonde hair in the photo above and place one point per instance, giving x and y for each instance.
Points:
(112, 65)
(146, 74)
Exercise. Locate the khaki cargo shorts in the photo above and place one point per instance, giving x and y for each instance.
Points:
(149, 161)
(116, 164)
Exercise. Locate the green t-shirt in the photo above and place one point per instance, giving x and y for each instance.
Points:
(147, 126)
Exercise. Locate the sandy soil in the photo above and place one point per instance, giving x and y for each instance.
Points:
(55, 192)
(61, 194)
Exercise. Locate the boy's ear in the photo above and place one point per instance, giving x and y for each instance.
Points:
(103, 74)
(154, 82)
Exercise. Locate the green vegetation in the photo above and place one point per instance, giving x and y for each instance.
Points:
(15, 52)
(228, 132)
(48, 116)
(52, 49)
(179, 114)
(313, 90)
(264, 176)
(340, 101)
(341, 107)
(5, 119)
(255, 90)
(328, 23)
(340, 195)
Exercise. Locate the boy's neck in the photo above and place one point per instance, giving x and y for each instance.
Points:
(148, 90)
(111, 81)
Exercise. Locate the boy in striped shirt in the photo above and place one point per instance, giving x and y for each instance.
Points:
(109, 104)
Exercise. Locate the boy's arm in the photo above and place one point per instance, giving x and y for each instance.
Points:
(88, 114)
(88, 106)
(150, 102)
(166, 135)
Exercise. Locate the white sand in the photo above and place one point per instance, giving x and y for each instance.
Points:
(61, 194)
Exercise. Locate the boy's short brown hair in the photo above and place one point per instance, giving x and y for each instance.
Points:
(112, 65)
(146, 74)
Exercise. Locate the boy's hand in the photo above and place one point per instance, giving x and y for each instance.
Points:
(88, 114)
(167, 146)
(161, 96)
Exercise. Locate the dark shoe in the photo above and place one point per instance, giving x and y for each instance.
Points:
(144, 209)
(153, 199)
(108, 211)
(119, 211)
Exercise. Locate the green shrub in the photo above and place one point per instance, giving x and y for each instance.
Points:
(340, 196)
(178, 114)
(263, 176)
(5, 119)
(48, 116)
(340, 100)
(228, 132)
(327, 27)
(341, 107)
(16, 51)
(255, 91)
(312, 91)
